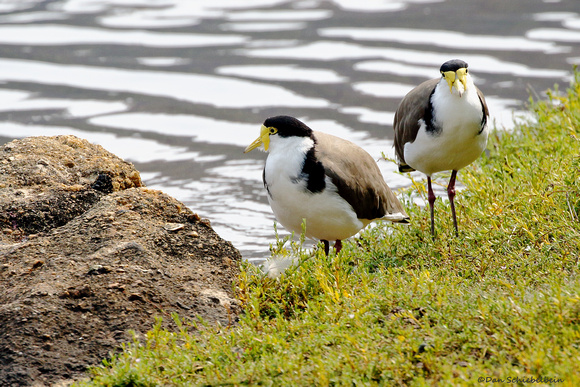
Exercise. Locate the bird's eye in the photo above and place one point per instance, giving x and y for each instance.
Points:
(273, 130)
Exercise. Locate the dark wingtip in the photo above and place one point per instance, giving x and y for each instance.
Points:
(405, 168)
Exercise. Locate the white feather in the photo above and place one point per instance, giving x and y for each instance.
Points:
(276, 265)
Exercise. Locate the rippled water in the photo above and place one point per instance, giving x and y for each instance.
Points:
(180, 87)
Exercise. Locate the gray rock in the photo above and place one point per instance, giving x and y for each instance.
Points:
(86, 254)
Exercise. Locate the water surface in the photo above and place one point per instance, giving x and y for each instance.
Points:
(180, 87)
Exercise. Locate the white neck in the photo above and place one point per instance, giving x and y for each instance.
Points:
(453, 110)
(288, 145)
(286, 157)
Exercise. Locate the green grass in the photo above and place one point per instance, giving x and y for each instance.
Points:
(396, 308)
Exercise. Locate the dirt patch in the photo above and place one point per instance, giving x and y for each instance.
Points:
(87, 254)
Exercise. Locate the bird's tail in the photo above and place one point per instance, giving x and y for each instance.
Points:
(394, 210)
(398, 217)
(405, 167)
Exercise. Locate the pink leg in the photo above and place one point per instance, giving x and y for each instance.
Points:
(431, 198)
(326, 247)
(451, 195)
(338, 246)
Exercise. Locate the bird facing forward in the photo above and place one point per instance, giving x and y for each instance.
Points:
(441, 125)
(331, 184)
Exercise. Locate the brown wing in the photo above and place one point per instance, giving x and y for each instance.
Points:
(411, 109)
(358, 178)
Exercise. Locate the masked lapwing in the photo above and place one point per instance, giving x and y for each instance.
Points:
(441, 125)
(331, 184)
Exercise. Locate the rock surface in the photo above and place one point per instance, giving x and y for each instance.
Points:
(87, 253)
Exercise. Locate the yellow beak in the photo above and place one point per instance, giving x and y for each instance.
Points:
(453, 78)
(263, 139)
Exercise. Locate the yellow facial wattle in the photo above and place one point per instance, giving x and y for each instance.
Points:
(454, 78)
(264, 139)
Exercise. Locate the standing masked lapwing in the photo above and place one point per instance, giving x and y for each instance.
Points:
(441, 125)
(331, 184)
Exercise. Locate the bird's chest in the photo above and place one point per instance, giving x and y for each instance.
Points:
(458, 138)
(283, 172)
(457, 117)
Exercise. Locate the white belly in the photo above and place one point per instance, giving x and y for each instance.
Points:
(430, 154)
(327, 216)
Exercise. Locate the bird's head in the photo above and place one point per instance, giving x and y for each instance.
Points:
(279, 126)
(455, 73)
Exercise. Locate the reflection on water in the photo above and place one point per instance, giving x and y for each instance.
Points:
(180, 87)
